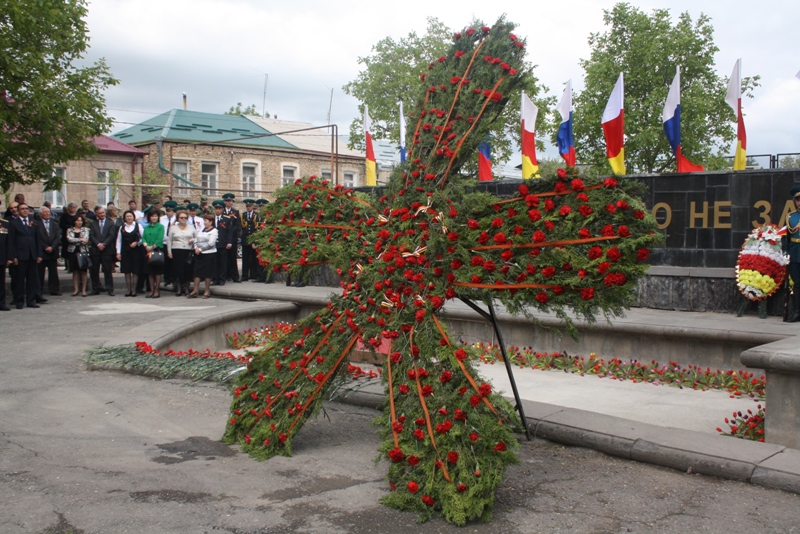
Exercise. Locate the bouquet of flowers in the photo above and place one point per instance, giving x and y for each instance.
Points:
(761, 268)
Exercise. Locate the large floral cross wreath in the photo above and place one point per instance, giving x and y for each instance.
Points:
(561, 243)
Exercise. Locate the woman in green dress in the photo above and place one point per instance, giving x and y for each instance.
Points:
(153, 240)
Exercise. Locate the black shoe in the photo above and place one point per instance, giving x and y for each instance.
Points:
(244, 280)
(41, 300)
(20, 306)
(95, 292)
(34, 305)
(237, 281)
(3, 307)
(794, 317)
(110, 292)
(56, 294)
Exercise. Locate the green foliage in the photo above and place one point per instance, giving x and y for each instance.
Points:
(52, 108)
(789, 162)
(392, 73)
(249, 110)
(647, 49)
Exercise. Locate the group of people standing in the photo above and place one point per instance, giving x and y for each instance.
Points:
(184, 246)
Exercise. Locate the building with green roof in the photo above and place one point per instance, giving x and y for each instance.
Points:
(210, 154)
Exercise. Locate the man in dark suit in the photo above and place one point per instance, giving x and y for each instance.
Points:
(103, 237)
(236, 232)
(3, 261)
(50, 240)
(225, 234)
(249, 227)
(25, 253)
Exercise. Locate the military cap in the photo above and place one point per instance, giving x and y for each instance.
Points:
(228, 196)
(171, 204)
(262, 201)
(795, 191)
(203, 198)
(192, 206)
(148, 208)
(218, 204)
(249, 201)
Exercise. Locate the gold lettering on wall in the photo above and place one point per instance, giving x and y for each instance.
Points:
(763, 215)
(722, 209)
(787, 209)
(694, 215)
(667, 214)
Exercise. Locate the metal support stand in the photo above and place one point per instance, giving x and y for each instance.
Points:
(492, 318)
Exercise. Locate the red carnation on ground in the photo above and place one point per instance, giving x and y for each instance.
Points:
(428, 500)
(500, 447)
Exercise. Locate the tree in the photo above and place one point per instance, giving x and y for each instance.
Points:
(647, 49)
(50, 108)
(392, 73)
(249, 110)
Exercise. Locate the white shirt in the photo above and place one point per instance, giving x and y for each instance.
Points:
(128, 228)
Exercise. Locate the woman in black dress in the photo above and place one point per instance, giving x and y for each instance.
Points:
(78, 243)
(129, 251)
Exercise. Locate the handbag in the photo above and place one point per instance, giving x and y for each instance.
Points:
(84, 260)
(190, 258)
(156, 257)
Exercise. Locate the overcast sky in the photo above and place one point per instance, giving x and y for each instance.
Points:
(218, 51)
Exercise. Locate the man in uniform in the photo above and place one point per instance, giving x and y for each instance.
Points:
(233, 213)
(204, 208)
(249, 227)
(195, 219)
(791, 244)
(225, 233)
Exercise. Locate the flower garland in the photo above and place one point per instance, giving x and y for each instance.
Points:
(761, 267)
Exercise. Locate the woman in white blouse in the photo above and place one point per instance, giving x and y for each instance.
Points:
(130, 252)
(180, 242)
(205, 248)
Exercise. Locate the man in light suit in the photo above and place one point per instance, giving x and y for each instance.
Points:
(24, 252)
(103, 237)
(50, 240)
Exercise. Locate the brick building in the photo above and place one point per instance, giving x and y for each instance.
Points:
(196, 153)
(101, 178)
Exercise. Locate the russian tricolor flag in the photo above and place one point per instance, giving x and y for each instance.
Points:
(484, 161)
(402, 134)
(566, 146)
(672, 124)
(734, 100)
(530, 165)
(371, 175)
(613, 123)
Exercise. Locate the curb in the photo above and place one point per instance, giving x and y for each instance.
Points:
(763, 464)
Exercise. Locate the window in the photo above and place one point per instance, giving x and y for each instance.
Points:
(181, 168)
(350, 179)
(289, 174)
(106, 189)
(325, 174)
(209, 178)
(58, 198)
(250, 181)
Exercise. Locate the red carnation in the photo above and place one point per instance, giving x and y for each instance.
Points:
(603, 267)
(474, 436)
(500, 238)
(577, 184)
(500, 447)
(611, 208)
(607, 231)
(404, 389)
(542, 297)
(584, 233)
(497, 222)
(643, 254)
(413, 487)
(427, 391)
(461, 355)
(595, 252)
(548, 271)
(461, 488)
(534, 215)
(472, 224)
(485, 389)
(419, 434)
(532, 200)
(610, 182)
(561, 173)
(470, 31)
(539, 236)
(587, 293)
(623, 231)
(549, 205)
(638, 214)
(523, 190)
(474, 401)
(613, 254)
(564, 211)
(585, 210)
(428, 500)
(445, 377)
(452, 457)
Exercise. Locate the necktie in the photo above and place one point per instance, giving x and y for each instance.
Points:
(102, 223)
(26, 221)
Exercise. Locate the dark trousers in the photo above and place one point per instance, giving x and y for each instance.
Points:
(51, 267)
(249, 262)
(106, 261)
(222, 266)
(168, 270)
(12, 275)
(26, 283)
(3, 284)
(233, 267)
